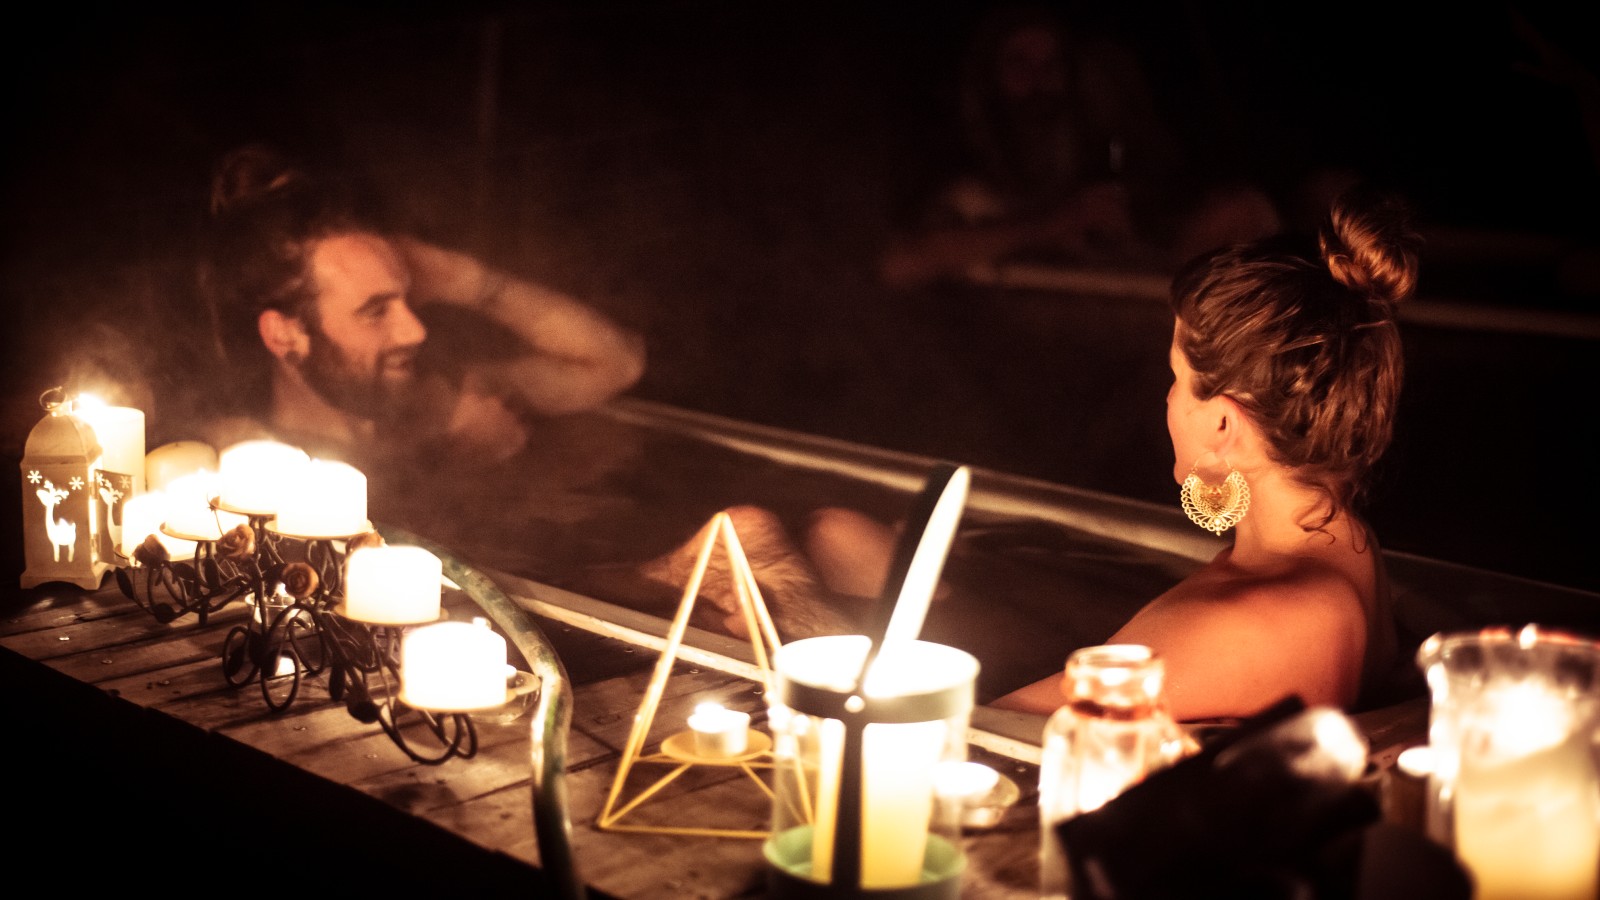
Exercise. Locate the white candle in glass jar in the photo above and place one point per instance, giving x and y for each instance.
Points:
(1527, 799)
(392, 585)
(898, 760)
(453, 667)
(254, 473)
(719, 732)
(323, 499)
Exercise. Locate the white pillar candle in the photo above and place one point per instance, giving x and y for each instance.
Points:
(189, 510)
(143, 516)
(323, 499)
(719, 732)
(392, 585)
(453, 667)
(254, 474)
(170, 461)
(120, 431)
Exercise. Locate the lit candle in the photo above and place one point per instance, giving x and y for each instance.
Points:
(392, 585)
(323, 499)
(143, 516)
(964, 781)
(1527, 804)
(899, 760)
(189, 511)
(719, 732)
(120, 431)
(170, 461)
(254, 474)
(453, 667)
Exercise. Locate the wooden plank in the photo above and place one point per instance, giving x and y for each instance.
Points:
(646, 865)
(49, 609)
(73, 634)
(605, 711)
(176, 647)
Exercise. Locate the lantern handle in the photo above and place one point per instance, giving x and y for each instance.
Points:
(920, 549)
(54, 399)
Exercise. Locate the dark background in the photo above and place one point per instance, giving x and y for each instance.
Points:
(723, 175)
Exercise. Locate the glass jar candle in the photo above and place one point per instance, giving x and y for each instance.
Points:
(1113, 730)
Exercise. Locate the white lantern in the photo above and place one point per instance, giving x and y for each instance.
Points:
(69, 501)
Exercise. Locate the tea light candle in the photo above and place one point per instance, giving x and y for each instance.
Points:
(453, 667)
(323, 499)
(254, 474)
(719, 732)
(175, 460)
(392, 585)
(964, 781)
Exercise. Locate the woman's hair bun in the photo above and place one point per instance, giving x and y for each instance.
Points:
(1370, 247)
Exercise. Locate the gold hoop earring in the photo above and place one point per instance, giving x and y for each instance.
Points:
(1215, 507)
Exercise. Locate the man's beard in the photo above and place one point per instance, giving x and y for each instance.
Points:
(366, 395)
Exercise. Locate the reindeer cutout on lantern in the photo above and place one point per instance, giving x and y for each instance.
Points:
(62, 532)
(111, 495)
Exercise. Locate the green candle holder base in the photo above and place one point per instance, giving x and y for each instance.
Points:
(788, 856)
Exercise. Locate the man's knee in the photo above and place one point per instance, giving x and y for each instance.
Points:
(851, 550)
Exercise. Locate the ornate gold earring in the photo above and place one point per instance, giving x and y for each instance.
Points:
(1215, 507)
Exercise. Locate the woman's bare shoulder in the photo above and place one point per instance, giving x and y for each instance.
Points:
(1235, 642)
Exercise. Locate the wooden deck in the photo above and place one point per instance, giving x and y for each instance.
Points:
(133, 762)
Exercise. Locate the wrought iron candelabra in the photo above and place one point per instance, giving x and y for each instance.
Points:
(299, 627)
(223, 569)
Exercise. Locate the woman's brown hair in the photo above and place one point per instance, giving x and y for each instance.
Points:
(1304, 339)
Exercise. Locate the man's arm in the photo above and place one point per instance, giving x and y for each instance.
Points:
(578, 358)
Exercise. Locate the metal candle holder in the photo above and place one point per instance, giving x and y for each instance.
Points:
(861, 724)
(286, 636)
(297, 631)
(239, 562)
(364, 661)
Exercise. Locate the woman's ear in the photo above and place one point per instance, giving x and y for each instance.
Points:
(1234, 436)
(284, 336)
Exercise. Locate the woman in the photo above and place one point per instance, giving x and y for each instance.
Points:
(1286, 375)
(1286, 369)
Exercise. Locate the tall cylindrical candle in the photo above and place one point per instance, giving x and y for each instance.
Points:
(392, 585)
(120, 430)
(324, 499)
(453, 667)
(254, 474)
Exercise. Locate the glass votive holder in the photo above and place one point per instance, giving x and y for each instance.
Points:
(1514, 788)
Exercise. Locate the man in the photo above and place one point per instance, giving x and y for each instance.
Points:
(334, 302)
